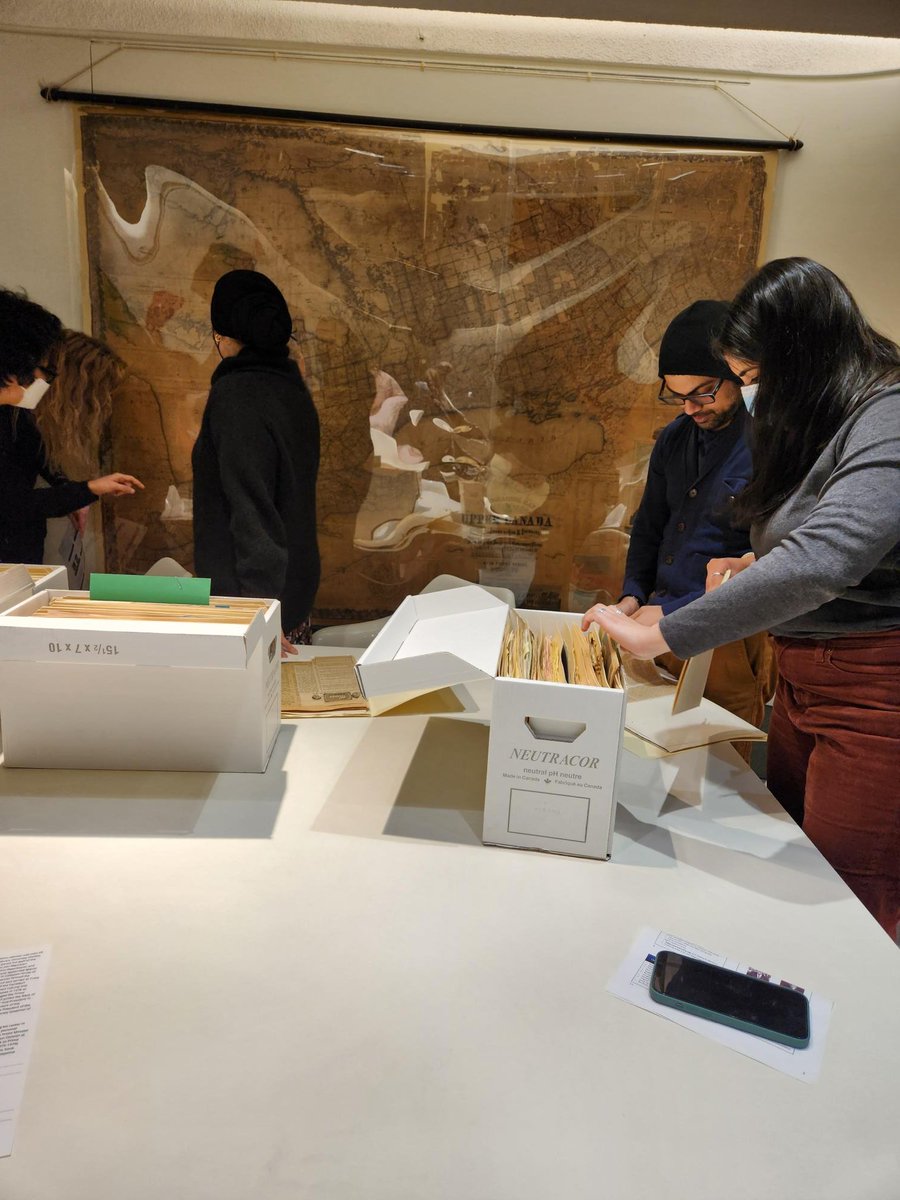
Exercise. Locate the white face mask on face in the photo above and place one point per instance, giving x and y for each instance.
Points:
(34, 393)
(749, 394)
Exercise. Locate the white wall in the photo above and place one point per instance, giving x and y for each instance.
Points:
(836, 200)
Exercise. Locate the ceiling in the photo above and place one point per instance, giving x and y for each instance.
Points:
(872, 18)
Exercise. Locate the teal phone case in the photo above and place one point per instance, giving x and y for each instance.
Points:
(709, 1014)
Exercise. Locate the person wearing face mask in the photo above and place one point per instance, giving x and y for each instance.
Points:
(256, 457)
(824, 510)
(29, 335)
(700, 462)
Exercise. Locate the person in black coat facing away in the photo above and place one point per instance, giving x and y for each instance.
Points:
(256, 457)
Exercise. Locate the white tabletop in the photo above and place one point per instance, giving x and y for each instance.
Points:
(317, 983)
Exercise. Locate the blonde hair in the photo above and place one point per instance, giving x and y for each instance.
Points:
(74, 415)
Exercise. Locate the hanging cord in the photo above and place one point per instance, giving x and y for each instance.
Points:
(788, 137)
(90, 66)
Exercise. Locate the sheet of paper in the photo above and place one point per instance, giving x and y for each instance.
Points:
(320, 685)
(631, 982)
(22, 975)
(691, 683)
(694, 674)
(649, 715)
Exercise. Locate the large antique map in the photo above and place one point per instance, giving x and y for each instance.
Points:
(477, 317)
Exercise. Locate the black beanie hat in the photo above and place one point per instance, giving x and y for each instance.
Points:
(247, 306)
(687, 345)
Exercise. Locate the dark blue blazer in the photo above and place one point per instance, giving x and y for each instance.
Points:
(684, 517)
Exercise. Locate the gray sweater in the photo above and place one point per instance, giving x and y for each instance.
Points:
(828, 560)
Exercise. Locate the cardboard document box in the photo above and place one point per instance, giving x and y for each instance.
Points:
(554, 747)
(18, 581)
(138, 694)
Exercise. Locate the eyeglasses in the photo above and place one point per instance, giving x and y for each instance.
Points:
(667, 396)
(49, 373)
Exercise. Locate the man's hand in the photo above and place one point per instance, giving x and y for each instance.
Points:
(628, 605)
(716, 568)
(644, 641)
(650, 614)
(116, 484)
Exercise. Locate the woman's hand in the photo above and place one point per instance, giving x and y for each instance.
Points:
(116, 484)
(287, 647)
(644, 641)
(716, 569)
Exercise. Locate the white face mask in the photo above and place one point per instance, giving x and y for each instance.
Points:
(34, 393)
(749, 394)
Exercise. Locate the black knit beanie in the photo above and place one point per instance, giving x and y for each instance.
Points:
(247, 306)
(687, 345)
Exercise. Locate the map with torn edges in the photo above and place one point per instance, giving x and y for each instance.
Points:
(477, 317)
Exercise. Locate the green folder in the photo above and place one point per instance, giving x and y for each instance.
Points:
(150, 589)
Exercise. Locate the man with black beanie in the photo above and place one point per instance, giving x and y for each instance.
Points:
(257, 456)
(700, 462)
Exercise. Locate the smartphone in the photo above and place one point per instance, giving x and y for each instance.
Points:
(770, 1010)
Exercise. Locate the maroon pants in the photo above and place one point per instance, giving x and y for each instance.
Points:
(834, 757)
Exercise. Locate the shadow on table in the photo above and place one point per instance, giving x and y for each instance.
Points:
(203, 804)
(705, 809)
(701, 808)
(429, 775)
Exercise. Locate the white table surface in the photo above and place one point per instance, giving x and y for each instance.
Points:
(317, 983)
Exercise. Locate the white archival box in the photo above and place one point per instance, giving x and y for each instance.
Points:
(18, 581)
(138, 695)
(554, 747)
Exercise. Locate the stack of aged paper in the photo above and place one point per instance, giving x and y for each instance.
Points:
(589, 659)
(218, 611)
(321, 687)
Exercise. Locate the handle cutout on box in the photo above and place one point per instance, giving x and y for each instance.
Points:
(546, 730)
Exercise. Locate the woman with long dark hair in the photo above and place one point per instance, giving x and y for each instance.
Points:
(824, 512)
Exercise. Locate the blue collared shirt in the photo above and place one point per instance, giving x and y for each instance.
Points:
(684, 518)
